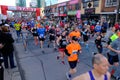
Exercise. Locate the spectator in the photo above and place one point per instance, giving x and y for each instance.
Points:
(7, 50)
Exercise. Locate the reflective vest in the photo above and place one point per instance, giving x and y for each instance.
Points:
(114, 37)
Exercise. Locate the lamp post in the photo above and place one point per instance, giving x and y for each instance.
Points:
(117, 13)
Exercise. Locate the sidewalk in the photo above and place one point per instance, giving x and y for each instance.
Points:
(13, 74)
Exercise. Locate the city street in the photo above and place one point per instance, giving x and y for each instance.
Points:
(35, 65)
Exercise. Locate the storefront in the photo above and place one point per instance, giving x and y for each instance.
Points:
(72, 15)
(61, 11)
(90, 14)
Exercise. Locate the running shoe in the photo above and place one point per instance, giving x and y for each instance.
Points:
(63, 62)
(58, 57)
(68, 76)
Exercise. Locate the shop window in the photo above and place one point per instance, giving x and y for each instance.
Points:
(77, 6)
(84, 5)
(95, 3)
(110, 3)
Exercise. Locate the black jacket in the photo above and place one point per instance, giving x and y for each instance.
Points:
(7, 40)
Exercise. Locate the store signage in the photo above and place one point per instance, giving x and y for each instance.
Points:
(90, 11)
(62, 15)
(25, 9)
(73, 2)
(72, 12)
(78, 14)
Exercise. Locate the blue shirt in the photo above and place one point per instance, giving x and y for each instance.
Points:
(41, 32)
(98, 28)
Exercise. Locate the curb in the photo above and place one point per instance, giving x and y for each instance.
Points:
(18, 64)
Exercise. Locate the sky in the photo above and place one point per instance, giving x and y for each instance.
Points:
(9, 3)
(54, 1)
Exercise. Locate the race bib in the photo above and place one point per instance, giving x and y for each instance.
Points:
(74, 51)
(41, 35)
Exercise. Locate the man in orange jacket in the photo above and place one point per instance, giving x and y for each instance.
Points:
(71, 51)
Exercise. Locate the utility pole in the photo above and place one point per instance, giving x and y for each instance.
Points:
(117, 7)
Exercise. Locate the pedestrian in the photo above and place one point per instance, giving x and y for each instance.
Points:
(72, 51)
(99, 71)
(25, 33)
(113, 57)
(8, 49)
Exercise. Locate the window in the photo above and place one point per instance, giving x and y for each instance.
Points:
(86, 0)
(70, 7)
(65, 10)
(77, 6)
(84, 5)
(110, 3)
(56, 9)
(95, 3)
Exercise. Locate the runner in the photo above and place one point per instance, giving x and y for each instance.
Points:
(17, 26)
(99, 71)
(25, 33)
(113, 58)
(35, 35)
(86, 33)
(71, 51)
(98, 41)
(41, 35)
(62, 42)
(75, 32)
(52, 37)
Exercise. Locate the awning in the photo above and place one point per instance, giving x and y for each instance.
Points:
(108, 12)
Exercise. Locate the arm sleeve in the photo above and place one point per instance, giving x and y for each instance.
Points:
(66, 51)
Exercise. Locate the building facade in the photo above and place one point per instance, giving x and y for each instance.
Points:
(21, 3)
(73, 9)
(91, 9)
(108, 10)
(40, 3)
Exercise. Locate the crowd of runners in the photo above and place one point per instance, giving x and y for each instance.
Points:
(67, 37)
